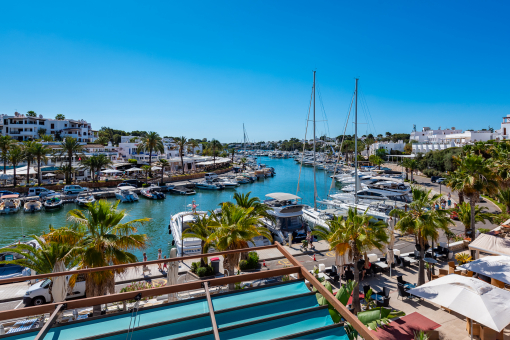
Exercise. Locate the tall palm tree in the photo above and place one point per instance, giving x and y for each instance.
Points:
(28, 147)
(40, 151)
(410, 164)
(70, 147)
(102, 238)
(259, 209)
(151, 142)
(463, 211)
(504, 197)
(15, 157)
(476, 176)
(202, 230)
(234, 227)
(42, 260)
(164, 163)
(232, 154)
(6, 143)
(216, 146)
(356, 235)
(454, 182)
(182, 143)
(147, 170)
(193, 144)
(423, 221)
(95, 163)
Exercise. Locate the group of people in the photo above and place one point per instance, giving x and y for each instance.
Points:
(441, 204)
(161, 267)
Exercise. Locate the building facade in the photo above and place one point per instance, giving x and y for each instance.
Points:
(21, 127)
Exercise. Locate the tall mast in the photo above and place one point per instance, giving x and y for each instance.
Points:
(356, 178)
(314, 179)
(244, 140)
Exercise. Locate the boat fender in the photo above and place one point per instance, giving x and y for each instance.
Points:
(173, 242)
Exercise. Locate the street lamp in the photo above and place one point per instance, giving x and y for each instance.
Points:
(440, 183)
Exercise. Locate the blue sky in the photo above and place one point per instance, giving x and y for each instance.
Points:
(202, 68)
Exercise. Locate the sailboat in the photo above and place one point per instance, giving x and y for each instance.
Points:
(312, 215)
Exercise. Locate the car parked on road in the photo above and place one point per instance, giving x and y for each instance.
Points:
(39, 293)
(39, 191)
(436, 179)
(73, 189)
(131, 182)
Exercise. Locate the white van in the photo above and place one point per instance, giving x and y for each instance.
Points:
(73, 189)
(39, 293)
(210, 176)
(39, 191)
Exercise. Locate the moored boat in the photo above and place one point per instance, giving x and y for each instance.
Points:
(10, 204)
(32, 206)
(152, 193)
(84, 199)
(53, 202)
(126, 194)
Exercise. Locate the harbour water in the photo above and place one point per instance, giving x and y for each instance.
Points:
(14, 226)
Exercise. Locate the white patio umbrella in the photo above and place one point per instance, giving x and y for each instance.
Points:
(134, 169)
(172, 275)
(49, 175)
(110, 171)
(156, 168)
(496, 267)
(60, 283)
(473, 298)
(172, 169)
(193, 167)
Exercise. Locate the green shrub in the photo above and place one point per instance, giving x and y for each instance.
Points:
(251, 263)
(243, 265)
(194, 267)
(202, 271)
(483, 230)
(132, 161)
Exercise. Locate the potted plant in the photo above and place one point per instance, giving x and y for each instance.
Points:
(304, 245)
(450, 235)
(463, 258)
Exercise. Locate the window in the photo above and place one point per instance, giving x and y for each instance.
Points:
(65, 125)
(52, 126)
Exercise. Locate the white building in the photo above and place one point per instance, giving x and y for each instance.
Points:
(427, 135)
(504, 131)
(22, 128)
(388, 146)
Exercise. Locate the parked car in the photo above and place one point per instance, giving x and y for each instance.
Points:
(132, 182)
(39, 293)
(39, 191)
(73, 189)
(440, 180)
(210, 176)
(435, 179)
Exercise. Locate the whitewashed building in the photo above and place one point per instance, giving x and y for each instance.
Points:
(388, 146)
(22, 128)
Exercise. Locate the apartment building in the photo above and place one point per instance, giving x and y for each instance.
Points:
(22, 128)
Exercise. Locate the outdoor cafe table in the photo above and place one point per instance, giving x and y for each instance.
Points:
(381, 265)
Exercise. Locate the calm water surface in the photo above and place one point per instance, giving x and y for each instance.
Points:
(13, 227)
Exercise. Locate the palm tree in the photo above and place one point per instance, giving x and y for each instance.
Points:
(96, 163)
(504, 198)
(182, 143)
(27, 148)
(102, 239)
(463, 211)
(42, 260)
(6, 143)
(164, 163)
(193, 144)
(476, 176)
(147, 170)
(202, 230)
(423, 221)
(454, 182)
(259, 209)
(151, 142)
(232, 154)
(410, 164)
(70, 146)
(46, 138)
(356, 235)
(243, 162)
(15, 157)
(215, 146)
(39, 152)
(376, 160)
(234, 227)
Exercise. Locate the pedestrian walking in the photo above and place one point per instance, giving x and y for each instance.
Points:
(145, 268)
(449, 203)
(160, 256)
(443, 205)
(164, 266)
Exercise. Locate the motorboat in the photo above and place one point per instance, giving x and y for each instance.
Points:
(243, 180)
(126, 194)
(152, 193)
(287, 213)
(53, 202)
(10, 204)
(182, 190)
(208, 185)
(32, 206)
(8, 271)
(372, 194)
(227, 183)
(178, 224)
(84, 199)
(321, 217)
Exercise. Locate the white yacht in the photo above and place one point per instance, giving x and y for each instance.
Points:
(226, 182)
(126, 194)
(208, 185)
(288, 214)
(32, 206)
(320, 217)
(372, 194)
(84, 199)
(10, 204)
(180, 222)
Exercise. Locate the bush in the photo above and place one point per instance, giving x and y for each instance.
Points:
(132, 161)
(251, 263)
(202, 271)
(243, 265)
(135, 286)
(194, 267)
(483, 230)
